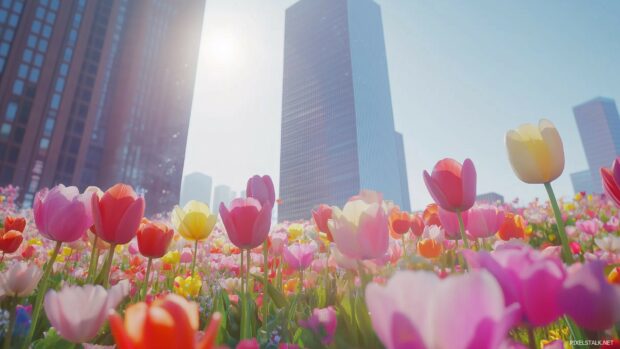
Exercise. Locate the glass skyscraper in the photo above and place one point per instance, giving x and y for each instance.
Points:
(599, 127)
(338, 131)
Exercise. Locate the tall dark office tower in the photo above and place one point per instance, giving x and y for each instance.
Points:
(337, 126)
(94, 92)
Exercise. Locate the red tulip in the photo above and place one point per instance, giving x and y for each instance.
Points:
(431, 215)
(399, 222)
(117, 214)
(154, 239)
(14, 223)
(452, 185)
(417, 225)
(10, 241)
(611, 180)
(247, 222)
(167, 322)
(320, 216)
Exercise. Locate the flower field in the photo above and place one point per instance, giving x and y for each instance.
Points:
(87, 269)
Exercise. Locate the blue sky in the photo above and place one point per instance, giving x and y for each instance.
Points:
(461, 73)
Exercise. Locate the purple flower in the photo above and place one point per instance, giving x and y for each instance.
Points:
(322, 321)
(261, 188)
(299, 256)
(589, 299)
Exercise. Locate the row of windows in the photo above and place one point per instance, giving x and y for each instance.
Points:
(10, 13)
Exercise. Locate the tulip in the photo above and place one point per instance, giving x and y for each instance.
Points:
(429, 248)
(261, 189)
(61, 214)
(536, 155)
(360, 230)
(589, 299)
(324, 322)
(19, 280)
(93, 302)
(417, 225)
(513, 227)
(295, 232)
(247, 222)
(450, 223)
(187, 287)
(527, 277)
(299, 257)
(453, 188)
(415, 309)
(10, 241)
(153, 241)
(399, 222)
(484, 221)
(117, 216)
(611, 180)
(167, 322)
(320, 217)
(431, 215)
(194, 222)
(14, 223)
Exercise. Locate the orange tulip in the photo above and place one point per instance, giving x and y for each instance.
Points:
(169, 322)
(399, 222)
(417, 225)
(512, 228)
(429, 248)
(431, 215)
(10, 241)
(14, 223)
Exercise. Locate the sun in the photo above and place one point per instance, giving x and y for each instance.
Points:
(222, 49)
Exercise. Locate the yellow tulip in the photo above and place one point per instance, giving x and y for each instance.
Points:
(536, 153)
(295, 231)
(172, 257)
(187, 287)
(194, 221)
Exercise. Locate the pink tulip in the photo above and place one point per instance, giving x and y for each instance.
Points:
(483, 221)
(261, 189)
(20, 279)
(117, 214)
(612, 224)
(322, 321)
(360, 230)
(299, 256)
(247, 222)
(78, 312)
(452, 185)
(278, 242)
(589, 299)
(415, 309)
(62, 214)
(590, 227)
(527, 277)
(450, 223)
(320, 216)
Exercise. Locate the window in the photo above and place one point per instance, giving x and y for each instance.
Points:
(8, 35)
(11, 111)
(23, 71)
(44, 144)
(42, 45)
(18, 6)
(38, 60)
(32, 41)
(27, 56)
(60, 84)
(49, 125)
(64, 68)
(18, 87)
(3, 16)
(40, 13)
(36, 26)
(13, 20)
(47, 31)
(68, 54)
(4, 49)
(34, 75)
(1, 64)
(50, 17)
(5, 130)
(55, 4)
(55, 101)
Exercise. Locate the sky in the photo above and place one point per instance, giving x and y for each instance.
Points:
(461, 75)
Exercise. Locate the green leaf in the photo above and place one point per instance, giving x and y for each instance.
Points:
(274, 294)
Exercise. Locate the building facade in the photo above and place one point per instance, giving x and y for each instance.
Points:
(196, 186)
(94, 92)
(221, 194)
(599, 128)
(337, 133)
(490, 198)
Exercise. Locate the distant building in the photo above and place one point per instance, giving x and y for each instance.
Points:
(337, 134)
(599, 127)
(490, 198)
(404, 181)
(196, 186)
(221, 193)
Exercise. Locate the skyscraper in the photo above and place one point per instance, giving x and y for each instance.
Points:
(402, 167)
(599, 127)
(337, 126)
(196, 186)
(221, 194)
(97, 92)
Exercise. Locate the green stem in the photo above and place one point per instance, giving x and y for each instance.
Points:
(531, 340)
(194, 259)
(266, 277)
(105, 272)
(242, 274)
(40, 294)
(459, 214)
(568, 256)
(146, 278)
(247, 272)
(94, 259)
(301, 280)
(9, 332)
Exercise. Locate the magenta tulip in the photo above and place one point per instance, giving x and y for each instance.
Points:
(589, 299)
(450, 223)
(261, 189)
(611, 180)
(527, 277)
(452, 185)
(78, 312)
(247, 222)
(62, 214)
(415, 309)
(360, 229)
(322, 321)
(299, 256)
(484, 221)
